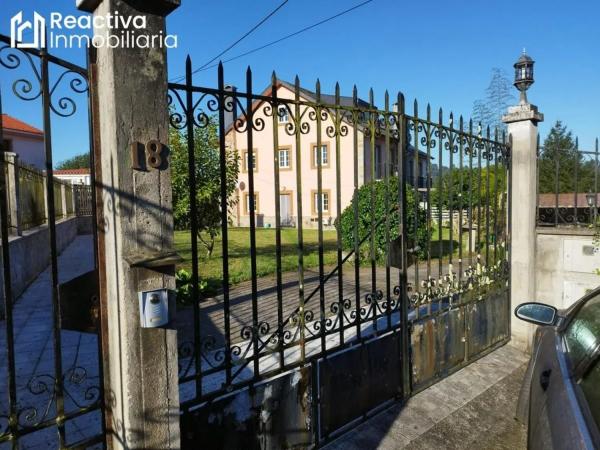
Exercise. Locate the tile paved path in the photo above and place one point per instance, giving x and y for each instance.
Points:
(34, 352)
(211, 309)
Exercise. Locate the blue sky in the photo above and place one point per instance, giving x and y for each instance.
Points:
(437, 51)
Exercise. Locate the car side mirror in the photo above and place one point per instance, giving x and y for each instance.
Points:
(537, 313)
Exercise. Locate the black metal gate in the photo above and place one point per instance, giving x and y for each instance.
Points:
(51, 386)
(395, 275)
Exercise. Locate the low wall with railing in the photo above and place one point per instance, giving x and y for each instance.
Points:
(30, 254)
(566, 264)
(26, 193)
(28, 224)
(567, 256)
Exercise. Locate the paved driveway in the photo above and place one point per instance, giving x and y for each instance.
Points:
(472, 409)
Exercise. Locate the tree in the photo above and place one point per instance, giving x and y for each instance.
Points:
(498, 97)
(462, 188)
(480, 194)
(208, 181)
(76, 162)
(367, 209)
(560, 154)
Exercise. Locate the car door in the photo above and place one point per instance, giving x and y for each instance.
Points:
(560, 414)
(544, 363)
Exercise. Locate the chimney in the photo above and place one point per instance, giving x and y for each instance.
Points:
(230, 106)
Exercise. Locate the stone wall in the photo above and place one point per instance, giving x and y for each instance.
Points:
(566, 261)
(30, 253)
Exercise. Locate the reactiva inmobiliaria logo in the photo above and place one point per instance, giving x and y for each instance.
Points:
(67, 31)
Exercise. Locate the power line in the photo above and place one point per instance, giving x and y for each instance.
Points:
(263, 20)
(284, 37)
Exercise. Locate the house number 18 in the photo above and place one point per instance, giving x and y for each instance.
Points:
(155, 155)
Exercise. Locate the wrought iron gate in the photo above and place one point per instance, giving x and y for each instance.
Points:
(396, 230)
(400, 257)
(51, 388)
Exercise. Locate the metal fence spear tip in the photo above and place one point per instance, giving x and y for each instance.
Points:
(401, 102)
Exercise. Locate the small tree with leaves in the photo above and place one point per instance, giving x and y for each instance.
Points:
(208, 181)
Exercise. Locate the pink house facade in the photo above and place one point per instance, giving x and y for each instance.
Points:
(291, 158)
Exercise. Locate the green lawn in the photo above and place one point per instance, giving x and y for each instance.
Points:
(211, 269)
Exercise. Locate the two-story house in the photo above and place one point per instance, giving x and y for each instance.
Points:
(305, 158)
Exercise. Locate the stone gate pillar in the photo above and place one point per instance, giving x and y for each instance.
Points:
(522, 123)
(135, 223)
(12, 183)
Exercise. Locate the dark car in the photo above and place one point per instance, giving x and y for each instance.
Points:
(560, 398)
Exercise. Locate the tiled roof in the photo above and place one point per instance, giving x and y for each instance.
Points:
(565, 200)
(10, 123)
(71, 171)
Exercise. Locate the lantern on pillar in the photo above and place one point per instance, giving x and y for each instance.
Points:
(523, 75)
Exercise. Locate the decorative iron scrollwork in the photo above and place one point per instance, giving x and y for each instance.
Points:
(32, 89)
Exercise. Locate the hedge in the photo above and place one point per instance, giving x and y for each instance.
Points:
(365, 210)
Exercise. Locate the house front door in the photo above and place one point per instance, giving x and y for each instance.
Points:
(285, 210)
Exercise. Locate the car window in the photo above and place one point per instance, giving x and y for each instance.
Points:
(582, 334)
(590, 384)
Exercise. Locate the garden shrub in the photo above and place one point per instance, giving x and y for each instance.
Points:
(366, 208)
(183, 281)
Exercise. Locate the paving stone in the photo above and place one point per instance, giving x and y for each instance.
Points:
(440, 418)
(34, 354)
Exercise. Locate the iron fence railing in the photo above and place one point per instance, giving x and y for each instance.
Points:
(43, 403)
(242, 336)
(567, 186)
(32, 208)
(83, 200)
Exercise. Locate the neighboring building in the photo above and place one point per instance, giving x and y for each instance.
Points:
(74, 176)
(24, 140)
(263, 156)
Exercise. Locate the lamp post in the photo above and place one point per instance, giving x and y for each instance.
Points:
(523, 75)
(591, 201)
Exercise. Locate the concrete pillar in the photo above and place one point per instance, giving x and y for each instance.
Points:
(12, 184)
(522, 123)
(73, 204)
(63, 199)
(135, 224)
(45, 181)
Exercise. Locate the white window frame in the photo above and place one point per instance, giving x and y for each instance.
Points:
(283, 114)
(324, 201)
(285, 151)
(324, 152)
(247, 161)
